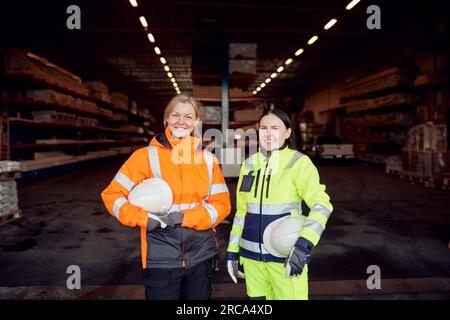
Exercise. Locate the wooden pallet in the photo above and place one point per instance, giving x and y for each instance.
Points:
(416, 178)
(6, 218)
(5, 176)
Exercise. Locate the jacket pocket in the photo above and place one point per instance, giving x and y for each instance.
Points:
(164, 244)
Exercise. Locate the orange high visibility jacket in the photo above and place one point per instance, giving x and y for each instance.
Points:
(199, 192)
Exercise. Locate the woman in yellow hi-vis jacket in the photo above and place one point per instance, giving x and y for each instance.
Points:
(272, 184)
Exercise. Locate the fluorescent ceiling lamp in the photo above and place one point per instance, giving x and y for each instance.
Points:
(143, 21)
(299, 52)
(169, 74)
(258, 89)
(262, 85)
(312, 40)
(268, 80)
(288, 61)
(255, 92)
(172, 79)
(280, 69)
(330, 23)
(166, 68)
(175, 84)
(151, 38)
(134, 3)
(273, 75)
(351, 4)
(157, 51)
(163, 61)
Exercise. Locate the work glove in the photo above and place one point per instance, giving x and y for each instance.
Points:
(233, 270)
(169, 219)
(298, 257)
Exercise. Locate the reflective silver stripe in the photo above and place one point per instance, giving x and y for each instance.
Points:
(252, 246)
(321, 209)
(209, 164)
(238, 221)
(212, 212)
(182, 206)
(315, 226)
(248, 163)
(124, 181)
(274, 208)
(219, 188)
(154, 161)
(234, 239)
(117, 204)
(297, 155)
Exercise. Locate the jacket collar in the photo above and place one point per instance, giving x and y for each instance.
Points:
(165, 140)
(267, 154)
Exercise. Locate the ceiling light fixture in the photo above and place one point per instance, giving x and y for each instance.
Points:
(273, 75)
(280, 69)
(163, 61)
(151, 38)
(312, 40)
(134, 3)
(299, 52)
(143, 21)
(157, 51)
(288, 61)
(258, 89)
(351, 4)
(262, 85)
(330, 23)
(169, 74)
(268, 80)
(166, 68)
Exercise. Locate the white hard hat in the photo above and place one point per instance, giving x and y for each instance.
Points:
(153, 195)
(280, 236)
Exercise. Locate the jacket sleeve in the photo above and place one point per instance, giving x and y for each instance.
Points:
(238, 222)
(307, 181)
(115, 195)
(215, 209)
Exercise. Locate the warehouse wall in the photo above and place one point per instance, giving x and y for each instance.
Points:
(391, 48)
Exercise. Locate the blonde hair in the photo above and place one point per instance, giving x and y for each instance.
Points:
(183, 98)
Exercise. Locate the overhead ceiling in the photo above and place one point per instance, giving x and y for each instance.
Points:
(112, 45)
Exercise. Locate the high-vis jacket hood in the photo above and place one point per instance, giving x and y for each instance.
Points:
(199, 191)
(270, 187)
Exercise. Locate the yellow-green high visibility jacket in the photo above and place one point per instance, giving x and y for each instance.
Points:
(281, 181)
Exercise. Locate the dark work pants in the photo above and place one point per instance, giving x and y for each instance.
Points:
(180, 284)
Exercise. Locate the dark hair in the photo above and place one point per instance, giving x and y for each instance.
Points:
(283, 116)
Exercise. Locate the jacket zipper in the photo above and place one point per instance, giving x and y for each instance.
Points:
(257, 181)
(183, 263)
(182, 249)
(260, 212)
(268, 183)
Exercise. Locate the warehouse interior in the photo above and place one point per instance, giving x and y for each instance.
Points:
(84, 84)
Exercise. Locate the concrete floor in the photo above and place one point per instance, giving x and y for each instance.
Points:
(378, 220)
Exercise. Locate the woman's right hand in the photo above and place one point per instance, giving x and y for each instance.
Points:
(233, 270)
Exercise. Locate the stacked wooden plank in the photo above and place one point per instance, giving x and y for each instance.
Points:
(27, 65)
(9, 199)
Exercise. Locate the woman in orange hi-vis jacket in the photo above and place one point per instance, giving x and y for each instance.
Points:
(178, 260)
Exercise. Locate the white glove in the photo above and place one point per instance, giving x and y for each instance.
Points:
(233, 270)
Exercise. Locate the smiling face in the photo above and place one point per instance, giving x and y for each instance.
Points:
(181, 120)
(272, 132)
